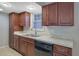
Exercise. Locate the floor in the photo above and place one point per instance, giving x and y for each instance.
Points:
(6, 51)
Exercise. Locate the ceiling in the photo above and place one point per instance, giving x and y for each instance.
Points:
(20, 7)
(32, 7)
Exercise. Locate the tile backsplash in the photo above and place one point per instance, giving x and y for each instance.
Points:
(64, 32)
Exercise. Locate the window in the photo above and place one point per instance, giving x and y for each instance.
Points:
(37, 24)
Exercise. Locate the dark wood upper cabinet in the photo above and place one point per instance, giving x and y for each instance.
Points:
(14, 18)
(14, 21)
(22, 18)
(45, 15)
(25, 19)
(58, 14)
(66, 13)
(52, 14)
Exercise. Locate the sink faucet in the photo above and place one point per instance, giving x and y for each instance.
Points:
(36, 33)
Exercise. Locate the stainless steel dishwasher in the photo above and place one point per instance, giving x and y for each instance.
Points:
(43, 48)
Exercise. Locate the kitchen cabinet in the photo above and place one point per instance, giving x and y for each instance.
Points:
(65, 13)
(14, 21)
(45, 15)
(58, 14)
(13, 26)
(17, 22)
(59, 50)
(31, 49)
(16, 42)
(25, 19)
(52, 14)
(27, 46)
(23, 46)
(22, 19)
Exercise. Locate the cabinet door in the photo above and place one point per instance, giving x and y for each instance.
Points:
(14, 19)
(27, 47)
(62, 50)
(14, 22)
(65, 13)
(45, 15)
(25, 19)
(23, 46)
(31, 49)
(52, 14)
(22, 19)
(16, 42)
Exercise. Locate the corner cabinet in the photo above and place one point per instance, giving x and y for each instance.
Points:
(58, 14)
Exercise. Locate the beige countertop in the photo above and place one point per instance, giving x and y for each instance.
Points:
(48, 39)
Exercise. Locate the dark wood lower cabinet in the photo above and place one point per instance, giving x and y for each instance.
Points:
(23, 47)
(31, 49)
(27, 46)
(59, 50)
(16, 42)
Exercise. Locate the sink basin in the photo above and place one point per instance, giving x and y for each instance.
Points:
(32, 35)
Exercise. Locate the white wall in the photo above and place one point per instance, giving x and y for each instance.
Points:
(4, 29)
(69, 32)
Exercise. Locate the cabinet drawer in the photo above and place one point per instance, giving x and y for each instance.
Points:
(28, 39)
(62, 50)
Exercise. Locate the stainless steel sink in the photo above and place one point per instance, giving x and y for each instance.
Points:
(32, 35)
